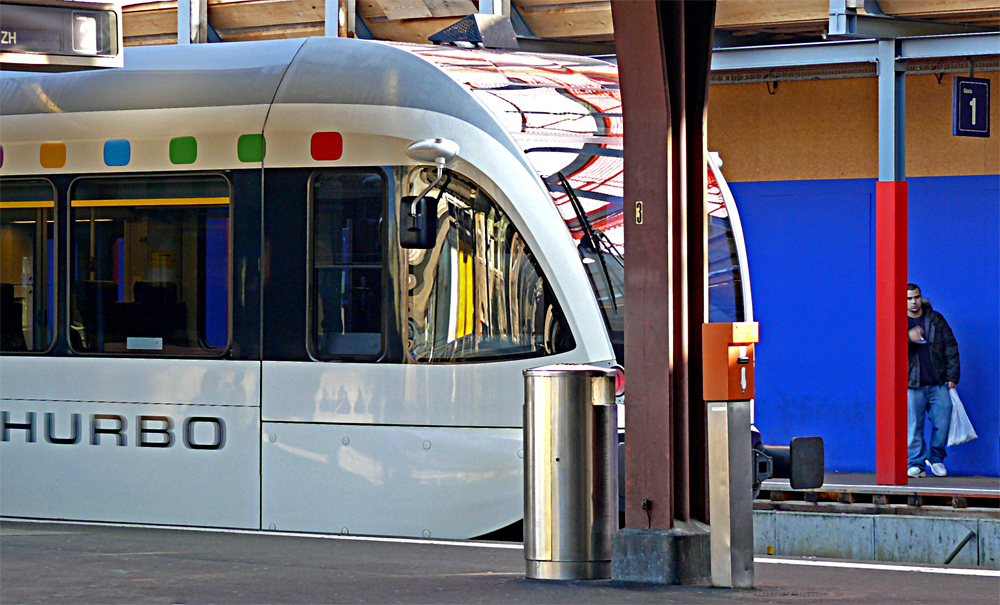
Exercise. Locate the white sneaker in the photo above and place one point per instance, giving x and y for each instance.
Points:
(938, 468)
(915, 471)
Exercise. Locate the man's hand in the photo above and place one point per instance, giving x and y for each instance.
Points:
(951, 385)
(916, 334)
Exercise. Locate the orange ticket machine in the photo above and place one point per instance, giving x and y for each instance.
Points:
(734, 464)
(727, 360)
(728, 384)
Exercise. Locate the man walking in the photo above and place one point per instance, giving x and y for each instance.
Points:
(934, 369)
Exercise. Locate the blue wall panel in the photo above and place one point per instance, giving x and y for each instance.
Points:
(955, 259)
(811, 255)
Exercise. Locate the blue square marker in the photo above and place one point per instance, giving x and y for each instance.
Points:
(117, 152)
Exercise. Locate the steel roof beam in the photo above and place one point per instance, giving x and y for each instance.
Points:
(964, 45)
(839, 53)
(793, 55)
(192, 21)
(891, 113)
(845, 20)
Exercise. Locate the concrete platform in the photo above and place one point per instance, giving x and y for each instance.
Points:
(951, 496)
(957, 482)
(929, 520)
(71, 563)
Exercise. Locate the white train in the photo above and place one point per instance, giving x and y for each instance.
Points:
(209, 318)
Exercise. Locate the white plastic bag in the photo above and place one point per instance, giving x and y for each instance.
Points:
(961, 430)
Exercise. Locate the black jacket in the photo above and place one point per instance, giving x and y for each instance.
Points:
(944, 351)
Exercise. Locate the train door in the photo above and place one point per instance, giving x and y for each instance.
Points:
(132, 415)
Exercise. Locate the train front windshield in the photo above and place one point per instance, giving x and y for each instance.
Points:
(565, 112)
(725, 288)
(725, 292)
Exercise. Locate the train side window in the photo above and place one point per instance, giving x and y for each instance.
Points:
(478, 294)
(27, 272)
(149, 265)
(347, 230)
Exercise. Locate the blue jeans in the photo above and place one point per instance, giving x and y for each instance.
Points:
(935, 403)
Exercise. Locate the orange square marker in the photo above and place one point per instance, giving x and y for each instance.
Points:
(53, 155)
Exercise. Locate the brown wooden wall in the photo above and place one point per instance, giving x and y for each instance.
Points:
(828, 129)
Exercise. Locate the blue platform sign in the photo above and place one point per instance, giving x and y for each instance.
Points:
(970, 112)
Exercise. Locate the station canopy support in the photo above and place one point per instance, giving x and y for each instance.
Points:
(664, 52)
(192, 21)
(891, 248)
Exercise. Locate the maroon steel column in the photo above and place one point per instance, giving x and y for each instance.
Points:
(649, 442)
(672, 28)
(664, 50)
(700, 21)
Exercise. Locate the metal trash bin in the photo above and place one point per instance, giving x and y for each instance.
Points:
(570, 472)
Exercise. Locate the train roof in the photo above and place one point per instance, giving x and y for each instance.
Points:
(313, 70)
(310, 70)
(562, 111)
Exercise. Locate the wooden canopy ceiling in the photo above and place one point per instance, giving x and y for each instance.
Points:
(557, 20)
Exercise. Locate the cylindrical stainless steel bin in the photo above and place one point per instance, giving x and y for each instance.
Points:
(570, 472)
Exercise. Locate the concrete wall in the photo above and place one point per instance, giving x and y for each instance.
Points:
(828, 129)
(898, 538)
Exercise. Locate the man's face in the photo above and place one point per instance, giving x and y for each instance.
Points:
(913, 300)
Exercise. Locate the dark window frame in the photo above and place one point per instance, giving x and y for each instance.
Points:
(386, 314)
(70, 267)
(52, 264)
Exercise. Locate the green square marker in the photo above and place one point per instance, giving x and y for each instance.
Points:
(183, 150)
(250, 148)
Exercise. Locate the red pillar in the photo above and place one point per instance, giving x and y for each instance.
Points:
(890, 326)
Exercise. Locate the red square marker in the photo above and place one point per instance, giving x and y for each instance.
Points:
(327, 146)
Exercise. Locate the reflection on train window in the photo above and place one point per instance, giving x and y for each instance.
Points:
(347, 235)
(149, 265)
(607, 279)
(478, 293)
(725, 287)
(27, 273)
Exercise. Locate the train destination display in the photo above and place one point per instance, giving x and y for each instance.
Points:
(57, 36)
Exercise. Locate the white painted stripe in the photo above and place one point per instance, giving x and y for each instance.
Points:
(988, 573)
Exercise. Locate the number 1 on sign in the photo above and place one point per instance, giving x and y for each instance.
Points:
(972, 102)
